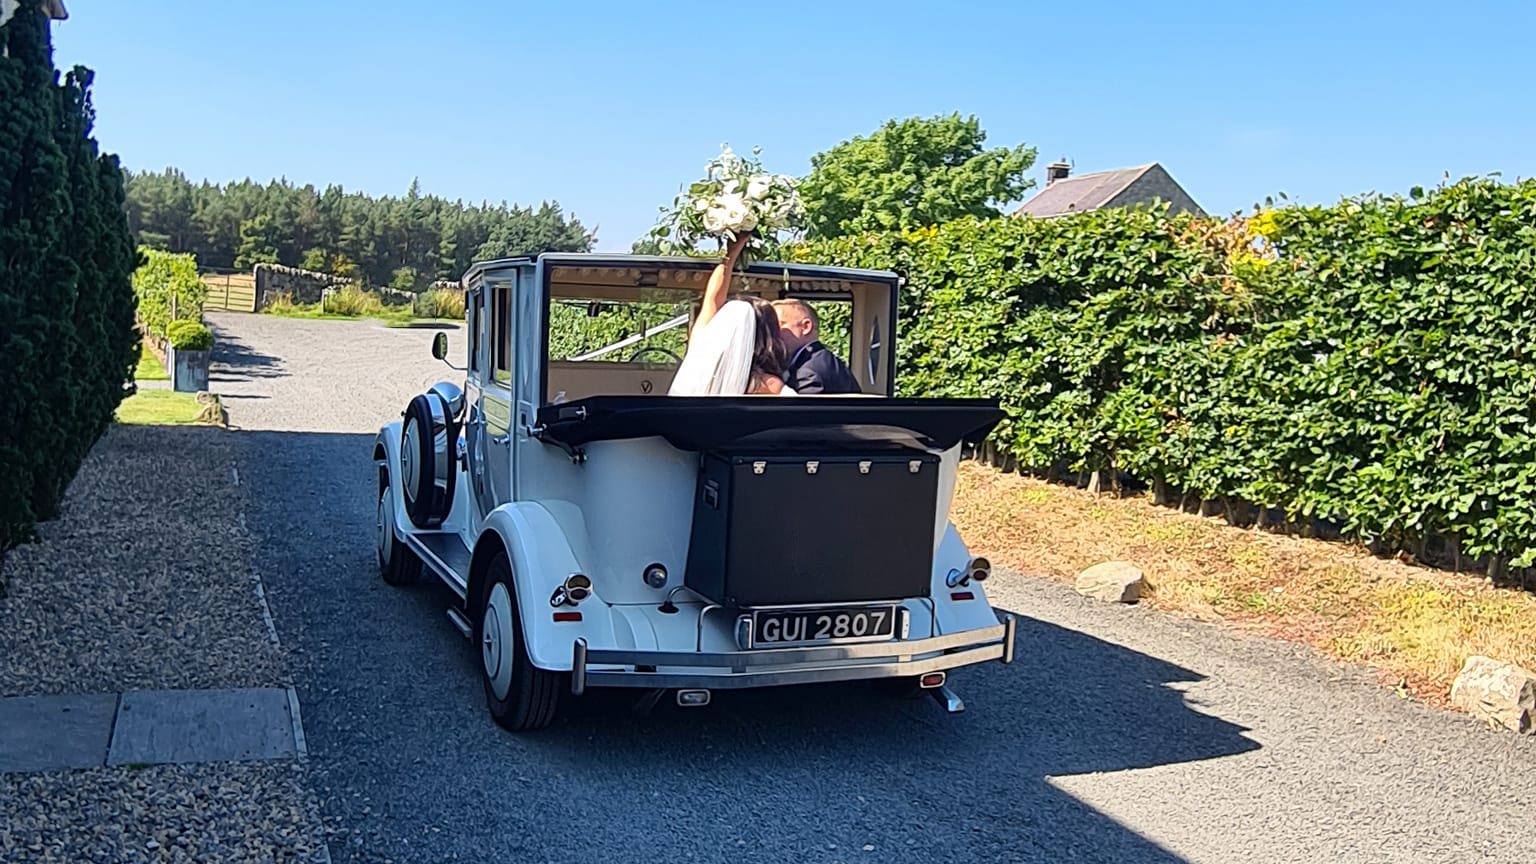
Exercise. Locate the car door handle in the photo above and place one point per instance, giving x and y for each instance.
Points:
(500, 439)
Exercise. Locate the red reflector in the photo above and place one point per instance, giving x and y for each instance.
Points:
(962, 595)
(931, 680)
(567, 616)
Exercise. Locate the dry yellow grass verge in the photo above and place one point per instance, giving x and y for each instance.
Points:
(1413, 624)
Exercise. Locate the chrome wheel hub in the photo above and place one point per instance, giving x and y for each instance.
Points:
(496, 636)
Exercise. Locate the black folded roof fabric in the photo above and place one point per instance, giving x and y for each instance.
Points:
(710, 422)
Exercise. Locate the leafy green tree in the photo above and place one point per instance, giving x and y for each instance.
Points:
(244, 222)
(258, 242)
(405, 279)
(910, 173)
(544, 230)
(164, 281)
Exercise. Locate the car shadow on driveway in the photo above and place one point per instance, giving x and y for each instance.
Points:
(1069, 704)
(396, 723)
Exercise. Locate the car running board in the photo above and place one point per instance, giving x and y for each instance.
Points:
(460, 622)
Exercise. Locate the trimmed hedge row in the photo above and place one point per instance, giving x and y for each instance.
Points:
(169, 289)
(1368, 364)
(67, 343)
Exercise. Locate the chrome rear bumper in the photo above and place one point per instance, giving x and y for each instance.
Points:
(771, 668)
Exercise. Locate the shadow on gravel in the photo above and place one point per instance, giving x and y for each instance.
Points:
(395, 718)
(234, 360)
(1069, 704)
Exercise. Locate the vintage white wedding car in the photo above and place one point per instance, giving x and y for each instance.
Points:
(596, 532)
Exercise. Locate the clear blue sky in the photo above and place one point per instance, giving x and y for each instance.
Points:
(608, 106)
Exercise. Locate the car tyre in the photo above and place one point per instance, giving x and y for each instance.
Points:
(421, 459)
(398, 565)
(520, 696)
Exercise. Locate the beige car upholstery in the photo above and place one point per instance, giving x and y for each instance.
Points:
(580, 379)
(870, 322)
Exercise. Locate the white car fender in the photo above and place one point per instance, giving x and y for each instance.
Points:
(955, 616)
(541, 562)
(386, 450)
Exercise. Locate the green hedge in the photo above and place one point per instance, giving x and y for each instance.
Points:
(168, 288)
(67, 344)
(189, 336)
(1367, 364)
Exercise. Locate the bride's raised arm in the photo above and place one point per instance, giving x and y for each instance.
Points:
(719, 282)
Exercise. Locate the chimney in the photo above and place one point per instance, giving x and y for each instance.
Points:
(1057, 171)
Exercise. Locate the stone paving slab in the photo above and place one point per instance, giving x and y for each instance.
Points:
(180, 726)
(53, 733)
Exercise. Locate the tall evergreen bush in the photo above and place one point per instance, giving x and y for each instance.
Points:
(67, 343)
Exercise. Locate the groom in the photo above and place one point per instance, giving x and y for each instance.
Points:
(812, 368)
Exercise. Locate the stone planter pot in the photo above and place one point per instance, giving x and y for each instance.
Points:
(189, 369)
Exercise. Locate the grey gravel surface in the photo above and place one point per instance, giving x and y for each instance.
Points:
(143, 583)
(1118, 735)
(298, 375)
(168, 813)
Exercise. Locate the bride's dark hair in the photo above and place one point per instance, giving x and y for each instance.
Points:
(768, 354)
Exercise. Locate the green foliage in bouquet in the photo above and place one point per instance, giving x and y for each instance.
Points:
(736, 196)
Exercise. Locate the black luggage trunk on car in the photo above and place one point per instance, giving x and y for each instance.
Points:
(778, 528)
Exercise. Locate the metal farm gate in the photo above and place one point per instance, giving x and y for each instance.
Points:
(233, 291)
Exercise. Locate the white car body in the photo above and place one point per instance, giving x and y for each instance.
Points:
(611, 508)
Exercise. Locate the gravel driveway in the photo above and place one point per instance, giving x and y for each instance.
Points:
(1117, 735)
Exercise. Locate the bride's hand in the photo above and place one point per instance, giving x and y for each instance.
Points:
(734, 249)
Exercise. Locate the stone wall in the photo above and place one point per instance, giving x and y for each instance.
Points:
(302, 286)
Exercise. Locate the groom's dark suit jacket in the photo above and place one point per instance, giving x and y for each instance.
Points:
(814, 369)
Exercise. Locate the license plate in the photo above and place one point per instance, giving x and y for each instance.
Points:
(779, 627)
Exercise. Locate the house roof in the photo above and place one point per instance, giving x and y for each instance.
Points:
(1083, 192)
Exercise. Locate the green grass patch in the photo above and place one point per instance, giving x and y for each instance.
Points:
(149, 367)
(159, 408)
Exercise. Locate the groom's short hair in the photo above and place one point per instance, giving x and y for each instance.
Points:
(803, 308)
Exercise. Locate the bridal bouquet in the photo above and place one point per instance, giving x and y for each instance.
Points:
(735, 197)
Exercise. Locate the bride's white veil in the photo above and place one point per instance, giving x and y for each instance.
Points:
(719, 357)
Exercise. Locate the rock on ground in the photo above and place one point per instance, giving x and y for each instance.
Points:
(1112, 581)
(1498, 692)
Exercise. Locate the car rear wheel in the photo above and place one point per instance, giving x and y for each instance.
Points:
(398, 565)
(520, 696)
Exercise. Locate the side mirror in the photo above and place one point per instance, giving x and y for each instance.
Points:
(440, 346)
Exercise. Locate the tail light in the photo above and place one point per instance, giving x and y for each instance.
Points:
(980, 569)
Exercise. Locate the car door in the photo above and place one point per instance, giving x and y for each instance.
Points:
(496, 394)
(478, 325)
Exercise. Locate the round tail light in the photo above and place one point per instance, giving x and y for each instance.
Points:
(578, 587)
(981, 568)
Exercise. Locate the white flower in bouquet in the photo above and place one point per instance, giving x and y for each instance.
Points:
(735, 197)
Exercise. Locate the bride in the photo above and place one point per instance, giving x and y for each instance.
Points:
(734, 347)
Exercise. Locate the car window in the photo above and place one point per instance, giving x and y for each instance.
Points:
(501, 317)
(474, 320)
